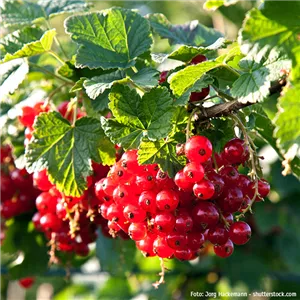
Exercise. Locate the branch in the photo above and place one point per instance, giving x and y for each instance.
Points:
(225, 109)
(221, 110)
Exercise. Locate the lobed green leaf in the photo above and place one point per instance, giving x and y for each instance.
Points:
(112, 38)
(66, 150)
(136, 117)
(192, 33)
(25, 43)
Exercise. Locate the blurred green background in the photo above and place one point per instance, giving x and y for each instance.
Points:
(269, 262)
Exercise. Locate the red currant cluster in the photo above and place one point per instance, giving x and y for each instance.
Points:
(176, 218)
(70, 223)
(195, 96)
(17, 191)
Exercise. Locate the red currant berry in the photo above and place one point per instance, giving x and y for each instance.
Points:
(81, 249)
(164, 222)
(41, 181)
(21, 179)
(163, 181)
(7, 187)
(198, 149)
(231, 200)
(36, 221)
(122, 195)
(145, 181)
(183, 222)
(26, 282)
(217, 181)
(205, 214)
(27, 117)
(204, 189)
(146, 245)
(163, 76)
(176, 240)
(108, 186)
(50, 222)
(195, 240)
(183, 182)
(119, 174)
(147, 201)
(184, 254)
(134, 214)
(161, 248)
(198, 59)
(236, 151)
(240, 233)
(218, 235)
(229, 174)
(46, 203)
(224, 250)
(137, 231)
(193, 172)
(263, 188)
(167, 200)
(198, 96)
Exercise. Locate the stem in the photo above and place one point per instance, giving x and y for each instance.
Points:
(68, 81)
(75, 111)
(221, 94)
(56, 56)
(134, 69)
(188, 126)
(54, 92)
(227, 225)
(161, 274)
(137, 87)
(215, 162)
(56, 40)
(201, 101)
(253, 172)
(231, 70)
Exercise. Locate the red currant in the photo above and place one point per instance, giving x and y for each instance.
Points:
(198, 149)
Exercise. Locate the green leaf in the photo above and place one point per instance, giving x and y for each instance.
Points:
(270, 28)
(56, 7)
(147, 77)
(4, 108)
(112, 38)
(262, 124)
(68, 70)
(25, 43)
(20, 13)
(192, 33)
(101, 102)
(78, 85)
(219, 133)
(18, 238)
(288, 119)
(97, 85)
(265, 128)
(215, 4)
(253, 86)
(111, 259)
(136, 117)
(109, 291)
(66, 150)
(162, 152)
(185, 53)
(12, 75)
(184, 79)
